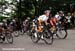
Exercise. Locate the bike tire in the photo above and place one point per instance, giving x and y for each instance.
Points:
(33, 38)
(8, 37)
(49, 40)
(16, 33)
(64, 37)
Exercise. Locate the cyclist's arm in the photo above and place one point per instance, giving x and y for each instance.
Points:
(46, 23)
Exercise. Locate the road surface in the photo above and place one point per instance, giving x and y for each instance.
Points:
(24, 43)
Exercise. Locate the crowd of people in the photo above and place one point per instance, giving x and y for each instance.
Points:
(70, 19)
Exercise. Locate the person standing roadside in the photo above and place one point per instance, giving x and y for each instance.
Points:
(73, 20)
(68, 17)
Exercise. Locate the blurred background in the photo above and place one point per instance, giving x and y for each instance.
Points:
(21, 9)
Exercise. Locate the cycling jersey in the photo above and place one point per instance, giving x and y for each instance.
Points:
(52, 21)
(58, 17)
(43, 18)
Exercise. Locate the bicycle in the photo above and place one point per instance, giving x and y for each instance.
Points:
(44, 35)
(61, 31)
(6, 34)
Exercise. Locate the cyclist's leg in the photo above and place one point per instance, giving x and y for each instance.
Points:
(3, 38)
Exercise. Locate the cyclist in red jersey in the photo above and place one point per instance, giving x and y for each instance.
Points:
(53, 22)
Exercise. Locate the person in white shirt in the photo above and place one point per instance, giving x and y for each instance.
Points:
(59, 15)
(68, 20)
(44, 17)
(68, 17)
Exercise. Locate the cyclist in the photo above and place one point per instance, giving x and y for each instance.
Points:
(1, 31)
(61, 20)
(4, 28)
(26, 24)
(43, 19)
(53, 22)
(13, 25)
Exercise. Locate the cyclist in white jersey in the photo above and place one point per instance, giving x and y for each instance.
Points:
(44, 17)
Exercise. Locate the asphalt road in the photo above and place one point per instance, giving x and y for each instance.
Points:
(24, 43)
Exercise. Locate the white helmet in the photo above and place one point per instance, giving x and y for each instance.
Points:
(61, 12)
(28, 18)
(33, 20)
(47, 11)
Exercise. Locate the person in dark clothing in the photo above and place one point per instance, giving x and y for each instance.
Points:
(4, 28)
(8, 21)
(13, 25)
(73, 20)
(26, 24)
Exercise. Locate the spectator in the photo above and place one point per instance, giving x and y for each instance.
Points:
(68, 17)
(72, 19)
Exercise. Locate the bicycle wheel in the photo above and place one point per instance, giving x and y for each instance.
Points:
(9, 38)
(16, 33)
(48, 38)
(34, 37)
(61, 34)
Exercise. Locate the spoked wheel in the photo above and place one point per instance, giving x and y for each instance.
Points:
(16, 33)
(34, 37)
(48, 38)
(9, 38)
(61, 34)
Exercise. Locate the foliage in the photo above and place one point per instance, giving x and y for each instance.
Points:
(31, 8)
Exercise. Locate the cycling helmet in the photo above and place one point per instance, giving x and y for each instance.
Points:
(28, 18)
(47, 11)
(60, 12)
